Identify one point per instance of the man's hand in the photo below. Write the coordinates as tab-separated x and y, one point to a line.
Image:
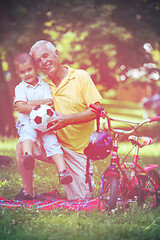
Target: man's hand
57	123
64	120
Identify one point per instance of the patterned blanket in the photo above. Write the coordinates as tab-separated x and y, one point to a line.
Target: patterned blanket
47	201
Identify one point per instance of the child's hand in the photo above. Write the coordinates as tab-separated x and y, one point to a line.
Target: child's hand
50	103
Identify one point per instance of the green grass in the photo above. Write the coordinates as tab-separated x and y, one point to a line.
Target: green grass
30	223
25	224
59	224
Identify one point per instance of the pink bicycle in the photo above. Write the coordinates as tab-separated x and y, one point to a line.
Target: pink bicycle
123	182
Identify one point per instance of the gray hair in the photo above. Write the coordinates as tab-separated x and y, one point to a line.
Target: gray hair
48	44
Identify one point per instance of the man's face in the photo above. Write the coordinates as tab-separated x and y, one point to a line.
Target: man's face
47	60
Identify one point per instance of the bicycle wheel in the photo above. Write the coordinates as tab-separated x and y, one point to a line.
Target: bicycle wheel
147	192
108	200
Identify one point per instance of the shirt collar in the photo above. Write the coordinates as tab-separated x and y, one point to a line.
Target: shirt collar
29	85
70	76
71	73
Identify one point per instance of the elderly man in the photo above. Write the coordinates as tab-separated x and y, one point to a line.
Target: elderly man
73	91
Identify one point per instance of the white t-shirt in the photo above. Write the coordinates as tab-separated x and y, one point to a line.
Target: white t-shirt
26	92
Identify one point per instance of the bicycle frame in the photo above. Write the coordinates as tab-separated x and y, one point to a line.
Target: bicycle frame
129	185
130	190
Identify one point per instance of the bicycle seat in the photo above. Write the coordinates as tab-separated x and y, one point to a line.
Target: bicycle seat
140	141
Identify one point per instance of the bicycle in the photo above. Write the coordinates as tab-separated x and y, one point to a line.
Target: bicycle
123	183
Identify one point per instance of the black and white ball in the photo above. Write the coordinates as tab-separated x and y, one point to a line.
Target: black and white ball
40	117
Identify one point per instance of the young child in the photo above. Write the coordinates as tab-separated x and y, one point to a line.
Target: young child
30	92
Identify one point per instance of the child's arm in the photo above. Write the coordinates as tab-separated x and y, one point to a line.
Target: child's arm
23	107
26	107
20	100
48	98
47	101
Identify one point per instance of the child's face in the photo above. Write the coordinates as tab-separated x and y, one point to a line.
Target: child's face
27	73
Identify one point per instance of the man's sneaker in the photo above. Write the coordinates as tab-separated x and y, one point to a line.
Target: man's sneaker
28	161
65	177
22	195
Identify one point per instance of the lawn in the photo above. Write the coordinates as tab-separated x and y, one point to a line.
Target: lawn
24	223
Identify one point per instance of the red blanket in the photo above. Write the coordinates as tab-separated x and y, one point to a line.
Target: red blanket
47	201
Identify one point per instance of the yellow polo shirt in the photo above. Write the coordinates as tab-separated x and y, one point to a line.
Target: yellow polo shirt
74	94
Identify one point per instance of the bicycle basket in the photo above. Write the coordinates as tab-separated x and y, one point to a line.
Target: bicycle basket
100	145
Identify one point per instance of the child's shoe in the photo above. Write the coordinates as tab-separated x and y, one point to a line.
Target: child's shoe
28	161
65	177
22	195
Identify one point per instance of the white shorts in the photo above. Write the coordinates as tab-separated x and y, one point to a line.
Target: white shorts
26	131
50	142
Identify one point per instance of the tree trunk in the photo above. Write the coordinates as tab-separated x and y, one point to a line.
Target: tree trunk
7	121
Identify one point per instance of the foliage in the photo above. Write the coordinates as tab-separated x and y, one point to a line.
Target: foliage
95	35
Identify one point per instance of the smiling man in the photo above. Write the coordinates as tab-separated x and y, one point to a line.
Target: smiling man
73	91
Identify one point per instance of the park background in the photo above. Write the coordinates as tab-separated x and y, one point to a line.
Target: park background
118	43
106	38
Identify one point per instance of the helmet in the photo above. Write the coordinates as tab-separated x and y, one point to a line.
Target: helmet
100	145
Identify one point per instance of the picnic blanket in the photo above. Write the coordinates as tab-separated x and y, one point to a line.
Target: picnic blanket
47	201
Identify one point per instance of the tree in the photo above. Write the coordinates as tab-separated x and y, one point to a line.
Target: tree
7	126
96	35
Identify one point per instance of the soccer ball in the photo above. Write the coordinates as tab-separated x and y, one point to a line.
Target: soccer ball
39	117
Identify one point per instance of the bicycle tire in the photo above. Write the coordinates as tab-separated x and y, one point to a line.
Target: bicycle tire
148	199
108	200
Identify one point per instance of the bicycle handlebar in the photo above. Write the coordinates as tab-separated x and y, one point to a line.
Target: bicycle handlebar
154	119
101	113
